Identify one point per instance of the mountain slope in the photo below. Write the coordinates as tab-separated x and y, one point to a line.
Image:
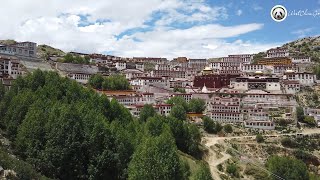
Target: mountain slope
44	51
7	42
309	46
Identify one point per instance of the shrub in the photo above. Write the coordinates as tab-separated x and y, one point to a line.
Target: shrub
259	138
228	128
232	169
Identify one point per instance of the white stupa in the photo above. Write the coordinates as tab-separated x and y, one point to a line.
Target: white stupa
204	89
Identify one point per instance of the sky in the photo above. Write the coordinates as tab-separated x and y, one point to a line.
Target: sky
158	28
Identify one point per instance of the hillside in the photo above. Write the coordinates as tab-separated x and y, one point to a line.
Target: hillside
44	51
309	46
8	42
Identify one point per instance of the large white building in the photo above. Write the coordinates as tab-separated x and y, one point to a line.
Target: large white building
304	78
241	58
26	49
256	82
11	67
277	52
225	109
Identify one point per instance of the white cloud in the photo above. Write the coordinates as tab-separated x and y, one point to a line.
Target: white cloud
302	32
61	23
239	12
196	42
256	7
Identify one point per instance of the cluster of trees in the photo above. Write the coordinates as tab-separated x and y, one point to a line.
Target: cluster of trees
181	90
303	118
69	132
112	82
215	127
210	126
187	136
287	168
182	107
69	58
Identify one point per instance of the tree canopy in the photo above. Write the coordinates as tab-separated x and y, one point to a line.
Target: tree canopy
287	168
69	58
300	114
210	126
67	131
112	82
146	112
178	112
197	105
156	158
228	128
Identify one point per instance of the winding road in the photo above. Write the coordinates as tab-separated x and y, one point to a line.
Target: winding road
210	140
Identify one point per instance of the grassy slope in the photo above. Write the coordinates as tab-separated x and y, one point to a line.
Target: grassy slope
24	170
194	164
309	46
7	42
44	51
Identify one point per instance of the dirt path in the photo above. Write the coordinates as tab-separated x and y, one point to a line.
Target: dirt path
212	159
210	140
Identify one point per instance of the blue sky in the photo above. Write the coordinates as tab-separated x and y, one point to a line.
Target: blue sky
166	28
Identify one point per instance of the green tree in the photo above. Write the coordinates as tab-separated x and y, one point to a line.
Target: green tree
203	173
178	100
287	168
193	140
181	90
310	120
146	112
208	125
68	58
17	110
218	127
197	105
2	91
259	138
156	158
300	114
288	142
155	126
178	112
232	169
30	139
228	128
96	81
65	151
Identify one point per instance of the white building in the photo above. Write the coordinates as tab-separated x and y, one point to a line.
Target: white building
11	67
241	58
277	52
291	87
225	109
252	68
26	49
132	73
304	78
79	72
121	65
265	125
257	82
140	66
301	60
